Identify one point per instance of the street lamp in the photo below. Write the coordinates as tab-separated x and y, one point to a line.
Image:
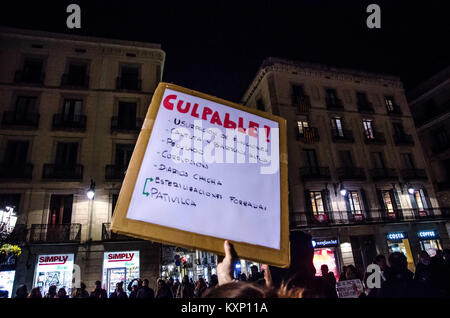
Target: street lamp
91	192
343	191
411	190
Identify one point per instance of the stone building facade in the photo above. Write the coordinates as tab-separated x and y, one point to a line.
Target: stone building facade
71	110
359	181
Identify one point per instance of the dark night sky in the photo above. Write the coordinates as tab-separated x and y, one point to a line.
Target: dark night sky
217	46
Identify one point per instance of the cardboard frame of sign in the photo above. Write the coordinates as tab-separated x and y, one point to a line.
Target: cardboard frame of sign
173	236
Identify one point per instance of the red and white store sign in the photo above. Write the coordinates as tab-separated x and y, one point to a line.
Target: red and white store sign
121	259
53	260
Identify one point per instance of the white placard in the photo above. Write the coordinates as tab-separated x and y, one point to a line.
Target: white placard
238	199
349	288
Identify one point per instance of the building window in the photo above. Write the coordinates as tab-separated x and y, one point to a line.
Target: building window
408	160
368	129
441	137
16	153
72	109
346	159
25	104
354	202
302	126
389	102
32	70
388	201
317	202
115	197
60	209
420	199
123	154
129	78
336	125
297	93
127	115
310	159
77	74
66	154
377	160
398	129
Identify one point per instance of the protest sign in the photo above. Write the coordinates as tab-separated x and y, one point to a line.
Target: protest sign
204	170
349	288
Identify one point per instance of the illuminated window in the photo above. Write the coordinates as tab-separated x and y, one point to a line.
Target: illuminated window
354	202
419	201
302	125
317	202
336	124
389	102
388	201
368	129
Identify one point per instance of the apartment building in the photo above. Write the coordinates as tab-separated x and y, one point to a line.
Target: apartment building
359	181
430	107
71	109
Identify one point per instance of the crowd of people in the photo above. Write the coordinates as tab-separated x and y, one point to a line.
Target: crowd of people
430	279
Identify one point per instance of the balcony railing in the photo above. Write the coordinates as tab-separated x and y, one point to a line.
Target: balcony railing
57	233
374	138
365	107
334	104
303	103
351	173
29	77
336	218
308	173
342	135
403	139
62	172
309	135
21	171
68	80
12	119
133	84
383	174
126	126
396	110
107	235
64	122
115	172
414	174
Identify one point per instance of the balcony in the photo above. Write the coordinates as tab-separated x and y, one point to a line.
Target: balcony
303	103
71	81
57	233
132	84
130	126
62	172
414	174
376	138
334	104
403	139
29	77
314	173
365	107
115	172
64	122
351	173
383	174
395	111
20	171
309	135
107	235
339	218
342	135
15	120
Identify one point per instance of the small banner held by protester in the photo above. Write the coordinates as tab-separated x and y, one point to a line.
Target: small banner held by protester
204	170
349	288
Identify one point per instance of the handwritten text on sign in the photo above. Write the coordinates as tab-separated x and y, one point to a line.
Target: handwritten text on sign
212	170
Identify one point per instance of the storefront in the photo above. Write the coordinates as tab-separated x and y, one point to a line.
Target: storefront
56	269
398	242
7	275
429	241
325	253
119	267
